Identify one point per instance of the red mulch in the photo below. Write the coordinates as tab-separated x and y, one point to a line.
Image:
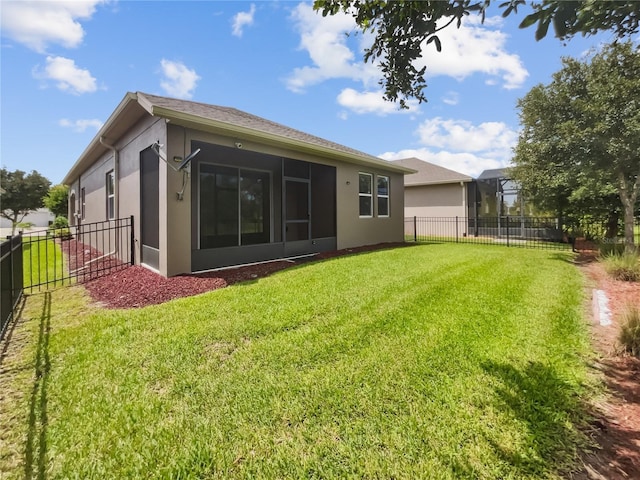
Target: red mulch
617	426
138	286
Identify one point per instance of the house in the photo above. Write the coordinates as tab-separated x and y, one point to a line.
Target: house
212	186
434	191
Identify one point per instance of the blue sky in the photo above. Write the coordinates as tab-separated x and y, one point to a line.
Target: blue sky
66	65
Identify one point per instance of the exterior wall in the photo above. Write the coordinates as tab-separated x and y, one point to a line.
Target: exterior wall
127	200
354	231
443	200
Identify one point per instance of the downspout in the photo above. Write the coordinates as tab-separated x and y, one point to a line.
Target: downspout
116	194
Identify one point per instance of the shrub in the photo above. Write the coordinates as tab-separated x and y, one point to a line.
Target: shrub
624	266
60	228
629	336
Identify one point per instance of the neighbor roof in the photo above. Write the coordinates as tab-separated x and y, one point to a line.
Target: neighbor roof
493	174
223	120
429	173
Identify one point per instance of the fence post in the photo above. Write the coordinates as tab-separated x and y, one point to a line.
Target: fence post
133	240
456	229
415	229
507	230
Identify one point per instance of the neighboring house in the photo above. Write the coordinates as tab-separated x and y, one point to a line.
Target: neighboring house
39	218
434	191
256	190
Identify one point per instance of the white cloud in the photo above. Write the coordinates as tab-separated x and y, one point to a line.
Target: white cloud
461	145
334	53
466	163
372	102
80	126
69	77
243	19
179	81
325	39
451	98
475	48
37	24
454	134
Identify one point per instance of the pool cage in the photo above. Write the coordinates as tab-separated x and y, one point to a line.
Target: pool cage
498	208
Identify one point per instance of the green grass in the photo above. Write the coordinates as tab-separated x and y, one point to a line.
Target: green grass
431	361
43	261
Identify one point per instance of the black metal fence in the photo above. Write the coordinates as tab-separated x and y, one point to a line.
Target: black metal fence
10	279
62	256
526	232
510	231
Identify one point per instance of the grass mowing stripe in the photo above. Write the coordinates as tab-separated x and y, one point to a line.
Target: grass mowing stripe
434	361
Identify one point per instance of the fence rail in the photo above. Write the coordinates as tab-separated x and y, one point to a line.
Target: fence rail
526	232
77	254
10	279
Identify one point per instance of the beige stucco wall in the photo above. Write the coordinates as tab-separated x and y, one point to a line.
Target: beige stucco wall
445	200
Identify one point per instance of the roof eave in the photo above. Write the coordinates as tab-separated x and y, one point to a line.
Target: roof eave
95	147
272	139
443	182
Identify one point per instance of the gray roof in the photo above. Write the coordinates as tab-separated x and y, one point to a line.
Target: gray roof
222	120
429	173
237	118
494	173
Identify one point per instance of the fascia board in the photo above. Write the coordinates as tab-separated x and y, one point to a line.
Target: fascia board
271	139
95	145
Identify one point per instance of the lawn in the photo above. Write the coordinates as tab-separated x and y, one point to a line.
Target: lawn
431	361
43	261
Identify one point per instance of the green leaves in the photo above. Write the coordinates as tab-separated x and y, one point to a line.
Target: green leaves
402	28
580	137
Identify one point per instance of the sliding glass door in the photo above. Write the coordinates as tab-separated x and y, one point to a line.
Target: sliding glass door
235	207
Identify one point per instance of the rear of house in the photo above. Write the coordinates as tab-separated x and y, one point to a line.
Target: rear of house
253	190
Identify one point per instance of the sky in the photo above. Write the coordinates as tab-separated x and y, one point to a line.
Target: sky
66	65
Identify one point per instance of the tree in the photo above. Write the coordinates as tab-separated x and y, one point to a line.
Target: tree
22	194
402	27
579	148
57	200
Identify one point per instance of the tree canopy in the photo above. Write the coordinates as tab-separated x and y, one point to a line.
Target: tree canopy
22	194
56	200
579	148
402	27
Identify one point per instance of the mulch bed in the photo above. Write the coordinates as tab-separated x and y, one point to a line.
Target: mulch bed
135	287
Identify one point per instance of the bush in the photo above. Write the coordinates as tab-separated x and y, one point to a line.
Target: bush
625	266
629	336
60	228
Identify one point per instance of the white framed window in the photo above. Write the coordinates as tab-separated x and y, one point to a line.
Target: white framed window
111	195
365	194
383	196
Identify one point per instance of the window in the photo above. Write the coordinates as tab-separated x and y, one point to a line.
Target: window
365	190
111	195
383	196
82	204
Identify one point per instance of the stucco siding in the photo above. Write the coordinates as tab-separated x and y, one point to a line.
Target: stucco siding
446	200
354	231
